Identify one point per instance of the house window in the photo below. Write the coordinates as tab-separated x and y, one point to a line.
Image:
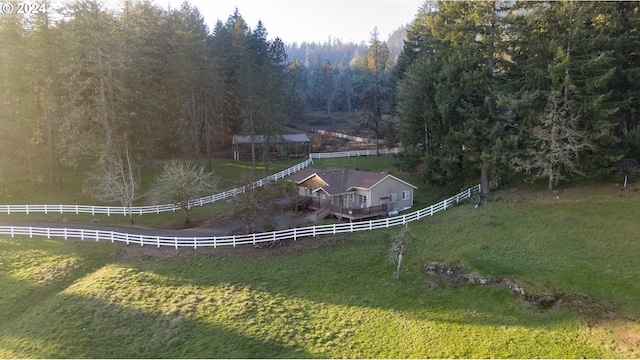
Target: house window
362	199
352	198
393	197
405	195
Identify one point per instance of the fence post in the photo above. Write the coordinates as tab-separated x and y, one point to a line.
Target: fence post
126	238
112	236
176	240
387	222
158	240
294	234
11	231
233	240
65	232
45	208
81	234
48	233
76	209
27	206
31	233
195	242
334	229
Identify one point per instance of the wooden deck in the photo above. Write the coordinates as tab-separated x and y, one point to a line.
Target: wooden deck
356	214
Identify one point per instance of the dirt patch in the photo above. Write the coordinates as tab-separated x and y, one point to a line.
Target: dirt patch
454	275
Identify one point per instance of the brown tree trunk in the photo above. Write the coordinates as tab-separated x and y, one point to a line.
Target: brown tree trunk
485	180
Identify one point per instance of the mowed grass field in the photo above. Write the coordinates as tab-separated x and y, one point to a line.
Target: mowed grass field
337	297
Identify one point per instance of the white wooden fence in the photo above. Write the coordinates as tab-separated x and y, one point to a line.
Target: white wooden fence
216	241
384	151
151	209
156	209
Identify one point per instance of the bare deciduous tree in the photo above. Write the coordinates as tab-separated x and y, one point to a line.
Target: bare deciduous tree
114	181
181	182
256	207
399	243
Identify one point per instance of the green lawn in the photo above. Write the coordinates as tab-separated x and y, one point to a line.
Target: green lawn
337	297
229	174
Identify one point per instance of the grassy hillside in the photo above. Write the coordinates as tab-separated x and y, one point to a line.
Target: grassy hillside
337	296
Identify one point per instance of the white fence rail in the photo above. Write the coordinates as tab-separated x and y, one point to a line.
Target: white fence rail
235	240
151	209
156	209
384	151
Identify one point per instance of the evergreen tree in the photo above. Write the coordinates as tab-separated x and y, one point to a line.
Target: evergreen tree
375	95
562	50
462	42
18	131
187	55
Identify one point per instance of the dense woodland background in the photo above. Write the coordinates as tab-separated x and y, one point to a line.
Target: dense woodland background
485	89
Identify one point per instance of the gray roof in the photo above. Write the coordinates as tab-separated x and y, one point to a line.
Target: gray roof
340	181
240	139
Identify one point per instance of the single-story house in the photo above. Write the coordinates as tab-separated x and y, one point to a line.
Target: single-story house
354	194
280	146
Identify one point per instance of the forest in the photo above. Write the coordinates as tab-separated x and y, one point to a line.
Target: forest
485	89
118	87
494	88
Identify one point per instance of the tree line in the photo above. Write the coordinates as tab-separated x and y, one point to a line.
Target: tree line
115	87
547	89
480	88
86	83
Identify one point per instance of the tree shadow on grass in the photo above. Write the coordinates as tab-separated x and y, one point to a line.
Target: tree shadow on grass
348	273
341	272
46	320
75	326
